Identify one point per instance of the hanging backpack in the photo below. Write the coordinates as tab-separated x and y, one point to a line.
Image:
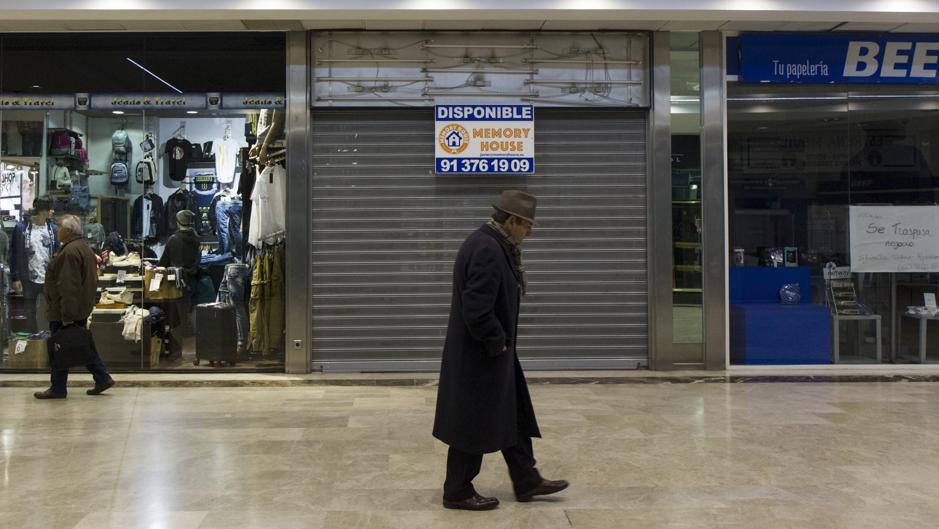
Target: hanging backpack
146	170
120	146
79	198
119	173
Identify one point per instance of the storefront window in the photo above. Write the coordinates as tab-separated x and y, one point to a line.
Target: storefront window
127	131
686	196
803	161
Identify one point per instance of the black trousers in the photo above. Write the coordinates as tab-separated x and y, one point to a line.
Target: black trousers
462	468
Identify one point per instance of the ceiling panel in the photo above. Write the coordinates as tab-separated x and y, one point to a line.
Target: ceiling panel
32	25
393	25
94	25
490	25
868	26
598	25
809	26
273	25
750	25
333	24
445	25
918	28
693	25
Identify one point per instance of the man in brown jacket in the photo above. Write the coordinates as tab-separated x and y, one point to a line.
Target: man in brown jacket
71	291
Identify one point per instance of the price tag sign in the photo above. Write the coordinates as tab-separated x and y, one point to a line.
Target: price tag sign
484	139
155	282
121	276
930	300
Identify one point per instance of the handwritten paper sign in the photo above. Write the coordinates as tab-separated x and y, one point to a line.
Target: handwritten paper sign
894	238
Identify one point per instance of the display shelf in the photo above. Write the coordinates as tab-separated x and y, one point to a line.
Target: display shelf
23	161
686	202
688	290
687	268
69	157
687	245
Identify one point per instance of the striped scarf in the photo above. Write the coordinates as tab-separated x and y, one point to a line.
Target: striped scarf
514	251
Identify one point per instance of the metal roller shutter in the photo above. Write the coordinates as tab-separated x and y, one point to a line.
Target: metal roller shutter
386	230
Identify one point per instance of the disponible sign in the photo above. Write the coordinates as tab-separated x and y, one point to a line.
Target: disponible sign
484	139
834	58
894	238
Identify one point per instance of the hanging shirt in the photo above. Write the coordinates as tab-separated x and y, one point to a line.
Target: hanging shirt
268	209
226	154
39	242
149	226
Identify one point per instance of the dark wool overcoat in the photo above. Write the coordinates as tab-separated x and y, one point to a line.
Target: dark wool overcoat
482	399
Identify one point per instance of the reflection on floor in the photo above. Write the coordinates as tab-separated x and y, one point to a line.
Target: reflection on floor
738	456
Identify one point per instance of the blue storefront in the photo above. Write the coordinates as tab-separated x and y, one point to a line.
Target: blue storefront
832	186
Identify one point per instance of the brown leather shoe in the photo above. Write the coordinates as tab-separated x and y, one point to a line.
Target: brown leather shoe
100	388
543	489
48	394
473	503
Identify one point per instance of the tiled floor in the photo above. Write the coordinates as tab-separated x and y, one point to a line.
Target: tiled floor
800	456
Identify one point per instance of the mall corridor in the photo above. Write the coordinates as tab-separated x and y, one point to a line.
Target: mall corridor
758	455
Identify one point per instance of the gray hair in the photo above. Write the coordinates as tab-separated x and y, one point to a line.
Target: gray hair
72	224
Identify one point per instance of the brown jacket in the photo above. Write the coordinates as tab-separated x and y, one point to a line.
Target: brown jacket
72	282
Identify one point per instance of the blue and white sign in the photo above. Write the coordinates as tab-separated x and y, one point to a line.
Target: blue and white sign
834	58
484	139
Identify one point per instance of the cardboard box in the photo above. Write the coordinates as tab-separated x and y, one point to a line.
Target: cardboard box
27	354
167	290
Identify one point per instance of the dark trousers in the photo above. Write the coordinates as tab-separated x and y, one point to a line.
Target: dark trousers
60	376
462	468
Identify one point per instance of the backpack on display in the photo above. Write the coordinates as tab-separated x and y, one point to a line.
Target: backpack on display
146	170
120	157
120	145
61	143
79	198
80	151
119	173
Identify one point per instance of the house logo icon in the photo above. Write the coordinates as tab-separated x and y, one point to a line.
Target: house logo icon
453	139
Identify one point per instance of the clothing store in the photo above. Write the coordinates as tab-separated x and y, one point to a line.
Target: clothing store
176	164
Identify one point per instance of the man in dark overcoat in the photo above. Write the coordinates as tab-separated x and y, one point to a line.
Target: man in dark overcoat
483	403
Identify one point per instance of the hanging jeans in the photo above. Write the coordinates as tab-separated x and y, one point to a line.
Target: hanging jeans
232	292
228	227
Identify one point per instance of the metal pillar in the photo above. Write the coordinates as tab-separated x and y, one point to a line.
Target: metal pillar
714	193
660	207
299	230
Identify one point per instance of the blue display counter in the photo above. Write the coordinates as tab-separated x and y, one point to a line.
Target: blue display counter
763	331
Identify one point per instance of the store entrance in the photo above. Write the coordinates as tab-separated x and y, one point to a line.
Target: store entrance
184	211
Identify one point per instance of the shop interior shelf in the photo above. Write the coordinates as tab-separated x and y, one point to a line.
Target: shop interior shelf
25	161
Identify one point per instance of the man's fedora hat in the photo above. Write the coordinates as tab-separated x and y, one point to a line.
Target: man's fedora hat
518	203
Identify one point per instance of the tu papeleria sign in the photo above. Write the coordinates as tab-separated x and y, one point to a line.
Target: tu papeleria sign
489	139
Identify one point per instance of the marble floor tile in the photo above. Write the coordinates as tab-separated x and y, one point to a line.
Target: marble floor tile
676	456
